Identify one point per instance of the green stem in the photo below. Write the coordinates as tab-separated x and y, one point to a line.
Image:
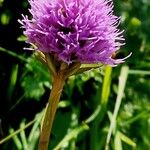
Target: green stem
58	83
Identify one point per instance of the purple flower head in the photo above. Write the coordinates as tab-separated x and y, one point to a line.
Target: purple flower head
82	31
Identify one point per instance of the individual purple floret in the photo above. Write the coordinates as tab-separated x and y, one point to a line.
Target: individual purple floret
82	31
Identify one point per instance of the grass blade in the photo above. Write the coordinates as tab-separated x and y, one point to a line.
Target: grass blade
122	81
16	139
72	135
23	136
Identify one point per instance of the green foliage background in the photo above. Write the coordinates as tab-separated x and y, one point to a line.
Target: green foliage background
85	118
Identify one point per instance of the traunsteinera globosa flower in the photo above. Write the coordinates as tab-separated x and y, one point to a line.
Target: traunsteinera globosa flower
69	33
83	31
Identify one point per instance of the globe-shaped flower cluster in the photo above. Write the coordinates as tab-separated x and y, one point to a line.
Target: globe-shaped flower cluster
84	31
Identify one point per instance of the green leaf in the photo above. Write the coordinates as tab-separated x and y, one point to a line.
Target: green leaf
5	18
127	140
22	38
13	80
35	78
117	142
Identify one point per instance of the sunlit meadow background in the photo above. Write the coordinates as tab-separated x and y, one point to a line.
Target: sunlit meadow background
88	101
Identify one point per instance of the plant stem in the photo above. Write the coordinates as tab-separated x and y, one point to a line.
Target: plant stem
58	83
